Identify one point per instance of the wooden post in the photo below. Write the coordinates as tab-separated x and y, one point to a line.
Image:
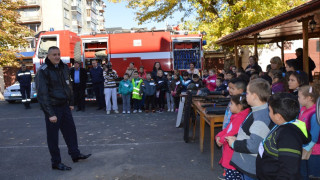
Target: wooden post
256	46
282	50
236	55
305	46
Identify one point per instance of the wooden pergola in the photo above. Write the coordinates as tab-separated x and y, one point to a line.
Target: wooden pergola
294	24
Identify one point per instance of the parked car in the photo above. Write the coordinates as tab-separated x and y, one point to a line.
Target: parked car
12	93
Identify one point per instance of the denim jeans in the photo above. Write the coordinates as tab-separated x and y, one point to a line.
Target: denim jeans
170	102
310	167
126	102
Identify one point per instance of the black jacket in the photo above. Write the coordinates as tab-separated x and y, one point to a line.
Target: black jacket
24	77
53	86
161	83
83	77
281	156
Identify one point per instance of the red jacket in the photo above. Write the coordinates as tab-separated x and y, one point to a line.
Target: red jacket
210	82
231	130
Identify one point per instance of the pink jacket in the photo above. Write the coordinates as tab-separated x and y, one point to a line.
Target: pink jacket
210	82
232	129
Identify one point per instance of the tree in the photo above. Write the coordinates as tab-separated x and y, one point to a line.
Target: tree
11	32
217	17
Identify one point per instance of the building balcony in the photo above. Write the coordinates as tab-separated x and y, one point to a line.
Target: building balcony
77	23
29	19
75	7
31	3
93	20
100	9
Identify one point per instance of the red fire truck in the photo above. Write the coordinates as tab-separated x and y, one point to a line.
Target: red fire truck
173	49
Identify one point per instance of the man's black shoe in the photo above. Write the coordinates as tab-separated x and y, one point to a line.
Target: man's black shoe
80	156
61	167
100	108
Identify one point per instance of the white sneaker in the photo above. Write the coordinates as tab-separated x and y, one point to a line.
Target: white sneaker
172	110
116	111
134	111
128	112
108	112
123	112
140	111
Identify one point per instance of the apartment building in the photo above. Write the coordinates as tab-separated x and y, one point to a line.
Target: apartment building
79	16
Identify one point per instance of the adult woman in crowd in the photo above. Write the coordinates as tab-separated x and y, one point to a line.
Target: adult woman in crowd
130	70
156	67
253	66
192	69
276	64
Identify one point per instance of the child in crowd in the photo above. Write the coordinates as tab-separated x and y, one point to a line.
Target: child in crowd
291	65
161	85
185	81
236	87
253	130
137	92
296	80
280	152
210	82
310	165
220	87
125	90
229	75
205	74
175	89
240	110
110	88
195	85
278	82
170	102
142	73
176	72
149	89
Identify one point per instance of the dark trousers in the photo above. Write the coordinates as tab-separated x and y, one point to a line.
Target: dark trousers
25	93
176	102
150	101
136	104
68	129
98	89
79	96
161	100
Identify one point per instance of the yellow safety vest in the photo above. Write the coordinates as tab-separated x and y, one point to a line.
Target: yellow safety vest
136	90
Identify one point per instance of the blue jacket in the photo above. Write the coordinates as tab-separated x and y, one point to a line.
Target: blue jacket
184	84
125	87
97	75
24	77
149	87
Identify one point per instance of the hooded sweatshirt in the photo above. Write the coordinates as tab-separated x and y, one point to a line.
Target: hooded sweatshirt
280	152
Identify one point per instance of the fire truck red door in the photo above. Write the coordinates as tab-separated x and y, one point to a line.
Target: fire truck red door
121	64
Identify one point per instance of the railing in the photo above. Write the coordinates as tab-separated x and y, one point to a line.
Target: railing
32	2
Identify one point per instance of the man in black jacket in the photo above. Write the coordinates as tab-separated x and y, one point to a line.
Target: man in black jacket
299	60
24	78
78	79
56	101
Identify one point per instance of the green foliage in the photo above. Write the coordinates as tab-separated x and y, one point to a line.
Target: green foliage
11	33
217	17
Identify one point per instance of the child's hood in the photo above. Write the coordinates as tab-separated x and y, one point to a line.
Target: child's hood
301	128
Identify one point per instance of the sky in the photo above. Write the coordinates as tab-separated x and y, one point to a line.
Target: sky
117	15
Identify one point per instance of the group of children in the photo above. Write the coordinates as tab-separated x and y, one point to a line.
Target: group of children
267	135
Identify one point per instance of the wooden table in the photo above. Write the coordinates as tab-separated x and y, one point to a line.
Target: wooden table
212	120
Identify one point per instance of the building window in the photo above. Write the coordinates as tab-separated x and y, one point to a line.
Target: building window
66	1
66	27
66	14
33	27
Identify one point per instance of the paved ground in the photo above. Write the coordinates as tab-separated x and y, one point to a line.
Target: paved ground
124	147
